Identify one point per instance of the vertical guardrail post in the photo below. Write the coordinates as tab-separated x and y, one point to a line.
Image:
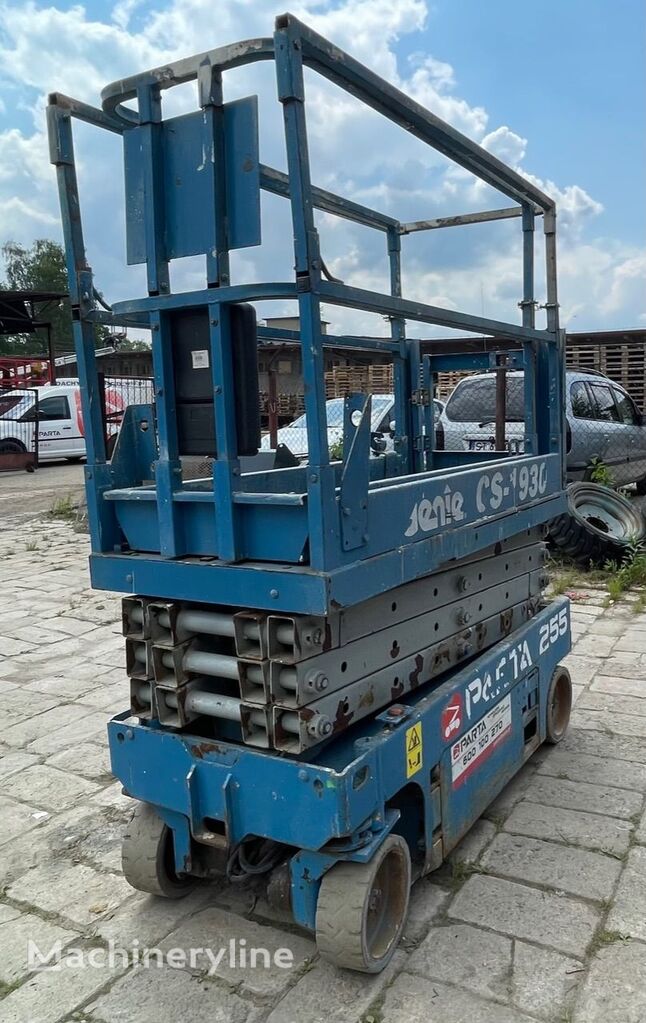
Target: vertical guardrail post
323	527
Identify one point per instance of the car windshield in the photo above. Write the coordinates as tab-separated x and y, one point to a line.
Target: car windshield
334	412
474	400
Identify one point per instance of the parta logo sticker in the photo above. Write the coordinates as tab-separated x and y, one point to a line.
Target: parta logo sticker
451	722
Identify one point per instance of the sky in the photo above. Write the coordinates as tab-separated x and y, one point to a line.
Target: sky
556	89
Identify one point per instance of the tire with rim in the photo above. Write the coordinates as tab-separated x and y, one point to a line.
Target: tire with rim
599	525
148	859
559	705
362	908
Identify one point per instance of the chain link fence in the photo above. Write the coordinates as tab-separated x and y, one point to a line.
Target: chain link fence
19	413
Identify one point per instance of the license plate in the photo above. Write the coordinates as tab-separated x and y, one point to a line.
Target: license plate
476	444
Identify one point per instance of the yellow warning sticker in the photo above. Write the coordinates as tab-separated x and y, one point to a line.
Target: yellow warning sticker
413	750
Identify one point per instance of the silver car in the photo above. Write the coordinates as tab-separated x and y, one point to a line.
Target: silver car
381	424
603	423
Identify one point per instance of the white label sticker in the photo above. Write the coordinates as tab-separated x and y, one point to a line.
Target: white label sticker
480	741
200	359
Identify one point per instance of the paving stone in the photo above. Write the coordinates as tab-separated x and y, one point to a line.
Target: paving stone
14	943
611	703
75	891
8	913
23	704
546	918
612	627
42	724
53	836
615	988
578	795
326	994
624	665
87	759
628	911
633	644
17	818
148	919
544	983
621	774
607	834
460	954
48	787
582	669
65	687
601	646
427	902
413	999
151	995
85	727
611	722
473	843
14	762
580	740
617	685
213	928
51	995
511	794
565	868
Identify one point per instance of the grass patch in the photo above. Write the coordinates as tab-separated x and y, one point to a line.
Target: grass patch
605	938
63	508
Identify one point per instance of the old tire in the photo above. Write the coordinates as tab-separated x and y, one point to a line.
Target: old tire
559	705
147	856
599	525
362	908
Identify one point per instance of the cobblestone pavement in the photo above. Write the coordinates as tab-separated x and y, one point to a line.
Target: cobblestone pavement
540	916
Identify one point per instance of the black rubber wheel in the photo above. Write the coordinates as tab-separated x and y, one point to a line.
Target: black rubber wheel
599	525
559	705
362	908
147	856
12	447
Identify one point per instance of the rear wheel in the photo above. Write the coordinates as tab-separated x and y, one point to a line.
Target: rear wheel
148	859
12	447
362	908
599	525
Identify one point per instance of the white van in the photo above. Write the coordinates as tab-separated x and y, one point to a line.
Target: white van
60	420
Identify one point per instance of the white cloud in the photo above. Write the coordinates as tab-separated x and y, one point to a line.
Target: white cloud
354	151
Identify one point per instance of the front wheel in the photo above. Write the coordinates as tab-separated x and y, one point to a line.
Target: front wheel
362	908
148	859
559	705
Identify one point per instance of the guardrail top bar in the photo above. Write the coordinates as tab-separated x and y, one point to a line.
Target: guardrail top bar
339	67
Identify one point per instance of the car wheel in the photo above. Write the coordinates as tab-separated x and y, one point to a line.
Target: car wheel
599	525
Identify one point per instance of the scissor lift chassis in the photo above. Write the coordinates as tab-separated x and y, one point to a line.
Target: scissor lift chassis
424	769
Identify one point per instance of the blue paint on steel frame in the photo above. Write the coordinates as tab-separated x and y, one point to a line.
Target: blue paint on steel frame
306	531
341	791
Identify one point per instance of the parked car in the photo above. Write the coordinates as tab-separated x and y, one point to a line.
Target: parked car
294	435
602	423
57	407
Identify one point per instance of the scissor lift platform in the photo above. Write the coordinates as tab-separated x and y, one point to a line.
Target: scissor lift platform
343	806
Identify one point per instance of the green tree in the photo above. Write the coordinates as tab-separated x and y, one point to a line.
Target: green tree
41	268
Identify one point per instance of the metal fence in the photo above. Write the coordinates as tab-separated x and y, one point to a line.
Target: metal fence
19	413
116	394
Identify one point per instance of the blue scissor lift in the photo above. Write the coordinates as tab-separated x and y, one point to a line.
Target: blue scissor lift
334	666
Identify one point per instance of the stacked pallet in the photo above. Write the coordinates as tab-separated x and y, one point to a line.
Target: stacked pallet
623	363
373	379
